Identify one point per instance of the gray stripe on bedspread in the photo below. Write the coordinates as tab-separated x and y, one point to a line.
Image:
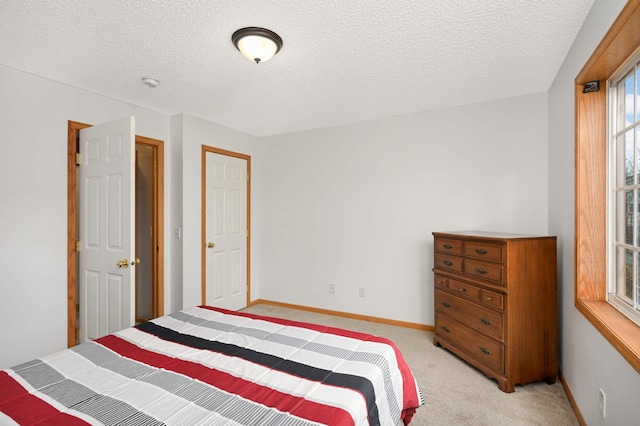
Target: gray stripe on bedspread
39	374
320	348
76	396
111	361
208	397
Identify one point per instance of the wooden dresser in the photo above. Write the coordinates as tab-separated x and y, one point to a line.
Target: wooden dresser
496	303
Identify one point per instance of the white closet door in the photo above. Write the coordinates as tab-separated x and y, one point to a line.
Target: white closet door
226	231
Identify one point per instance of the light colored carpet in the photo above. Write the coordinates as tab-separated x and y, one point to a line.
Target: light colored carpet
455	393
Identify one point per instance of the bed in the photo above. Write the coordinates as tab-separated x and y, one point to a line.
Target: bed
209	366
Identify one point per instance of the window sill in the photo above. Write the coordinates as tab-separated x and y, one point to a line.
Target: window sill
620	331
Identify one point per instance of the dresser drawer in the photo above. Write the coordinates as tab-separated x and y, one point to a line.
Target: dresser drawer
464	289
491	252
441	282
484	270
448	246
475	316
446	262
464	338
491	298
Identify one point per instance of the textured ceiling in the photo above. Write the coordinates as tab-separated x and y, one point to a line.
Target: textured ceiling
342	61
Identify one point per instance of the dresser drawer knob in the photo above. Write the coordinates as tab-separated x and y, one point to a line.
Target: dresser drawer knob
485	350
481	251
448	263
462	289
445	328
481	271
446	304
489	299
485	321
447	246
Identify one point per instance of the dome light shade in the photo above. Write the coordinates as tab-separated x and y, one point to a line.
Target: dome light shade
257	44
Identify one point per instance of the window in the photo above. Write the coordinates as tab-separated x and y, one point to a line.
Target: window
622	39
624	178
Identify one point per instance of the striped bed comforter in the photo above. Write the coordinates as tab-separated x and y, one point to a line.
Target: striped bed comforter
208	366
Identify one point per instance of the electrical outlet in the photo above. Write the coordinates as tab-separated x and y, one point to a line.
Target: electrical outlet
603	402
361	291
332	288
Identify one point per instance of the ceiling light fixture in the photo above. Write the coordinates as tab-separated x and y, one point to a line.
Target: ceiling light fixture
257	44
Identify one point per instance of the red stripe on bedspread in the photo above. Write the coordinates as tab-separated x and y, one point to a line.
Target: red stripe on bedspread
410	394
27	409
269	397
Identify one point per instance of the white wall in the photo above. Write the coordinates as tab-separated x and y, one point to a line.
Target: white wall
195	133
33	204
588	361
175	220
355	205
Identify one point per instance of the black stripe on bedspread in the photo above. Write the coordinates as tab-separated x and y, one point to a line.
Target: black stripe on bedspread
358	383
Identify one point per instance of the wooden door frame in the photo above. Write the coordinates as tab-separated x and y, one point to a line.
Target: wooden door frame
247	158
73	131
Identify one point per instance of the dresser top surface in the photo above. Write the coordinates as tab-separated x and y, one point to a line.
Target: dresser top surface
488	234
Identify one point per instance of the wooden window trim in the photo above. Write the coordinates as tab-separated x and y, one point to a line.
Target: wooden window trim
618	44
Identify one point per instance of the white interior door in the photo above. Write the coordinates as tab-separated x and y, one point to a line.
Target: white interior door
106	231
225	231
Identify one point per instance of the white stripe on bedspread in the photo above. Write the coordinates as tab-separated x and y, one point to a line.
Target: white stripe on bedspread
6	420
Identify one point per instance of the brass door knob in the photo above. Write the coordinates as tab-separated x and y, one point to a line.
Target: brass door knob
124	263
135	262
210	245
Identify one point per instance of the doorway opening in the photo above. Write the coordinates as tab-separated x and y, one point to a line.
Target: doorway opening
150	222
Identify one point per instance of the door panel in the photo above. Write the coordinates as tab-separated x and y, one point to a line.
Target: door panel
236	278
225	271
215	277
106	229
91	301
